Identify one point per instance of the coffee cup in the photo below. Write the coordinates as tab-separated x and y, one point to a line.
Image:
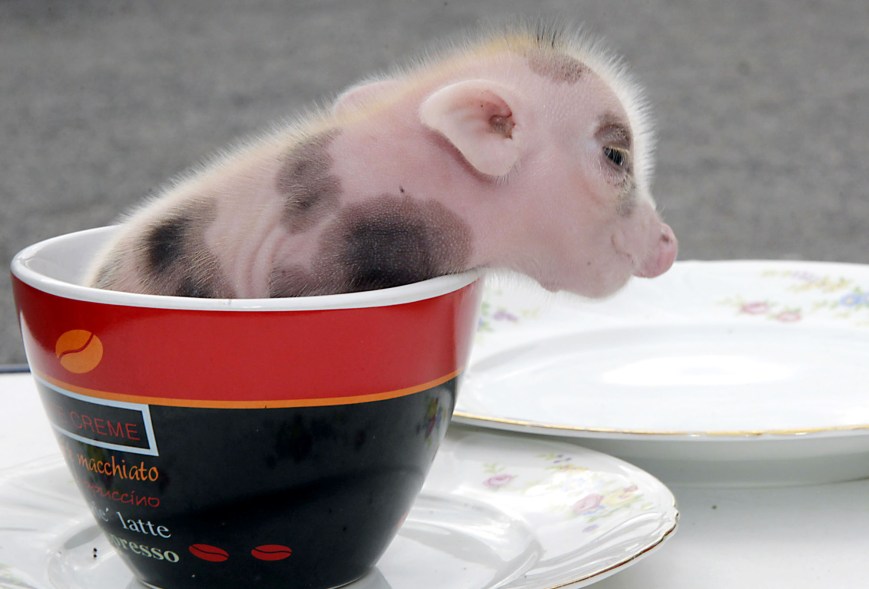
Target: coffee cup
260	443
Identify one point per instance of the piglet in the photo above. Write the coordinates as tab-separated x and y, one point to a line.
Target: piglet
523	149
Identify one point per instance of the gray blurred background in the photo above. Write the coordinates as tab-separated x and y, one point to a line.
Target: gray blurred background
762	105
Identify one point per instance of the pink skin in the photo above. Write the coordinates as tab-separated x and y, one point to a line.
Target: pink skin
515	154
553	216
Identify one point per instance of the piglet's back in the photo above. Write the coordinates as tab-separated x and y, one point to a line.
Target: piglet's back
521	150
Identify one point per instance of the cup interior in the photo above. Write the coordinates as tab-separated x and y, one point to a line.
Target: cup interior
59	265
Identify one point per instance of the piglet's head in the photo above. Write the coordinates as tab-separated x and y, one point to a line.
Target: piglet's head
569	152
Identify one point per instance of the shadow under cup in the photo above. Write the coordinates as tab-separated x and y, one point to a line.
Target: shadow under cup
248	442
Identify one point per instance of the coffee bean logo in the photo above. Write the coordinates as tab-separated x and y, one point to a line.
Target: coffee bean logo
265	552
79	350
271	552
208	552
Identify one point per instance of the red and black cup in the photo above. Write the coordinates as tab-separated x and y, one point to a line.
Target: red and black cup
225	443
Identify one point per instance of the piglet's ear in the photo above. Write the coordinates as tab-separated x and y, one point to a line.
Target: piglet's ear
361	94
477	117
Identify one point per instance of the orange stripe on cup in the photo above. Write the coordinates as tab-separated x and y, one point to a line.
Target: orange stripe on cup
253	403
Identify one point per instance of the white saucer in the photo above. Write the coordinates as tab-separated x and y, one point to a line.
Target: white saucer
716	372
505	511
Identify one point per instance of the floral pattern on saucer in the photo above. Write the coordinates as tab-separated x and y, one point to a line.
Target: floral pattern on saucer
581	492
49	541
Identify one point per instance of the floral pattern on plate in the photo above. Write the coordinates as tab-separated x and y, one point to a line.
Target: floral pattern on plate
787	339
494	314
803	293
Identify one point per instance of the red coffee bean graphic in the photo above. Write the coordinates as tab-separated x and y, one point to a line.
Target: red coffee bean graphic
208	552
271	552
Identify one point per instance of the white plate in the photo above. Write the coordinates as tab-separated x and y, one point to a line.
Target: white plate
678	373
502	511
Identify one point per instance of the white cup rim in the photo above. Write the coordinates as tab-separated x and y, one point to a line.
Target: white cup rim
29	265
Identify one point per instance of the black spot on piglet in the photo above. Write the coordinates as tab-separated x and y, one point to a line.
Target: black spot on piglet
165	243
393	240
310	189
387	252
176	259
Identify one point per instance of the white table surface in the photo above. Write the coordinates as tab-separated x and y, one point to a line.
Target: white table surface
786	537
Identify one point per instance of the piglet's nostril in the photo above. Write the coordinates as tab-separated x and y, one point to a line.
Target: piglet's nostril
667	235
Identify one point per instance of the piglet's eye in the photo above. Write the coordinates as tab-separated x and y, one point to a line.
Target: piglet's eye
617	156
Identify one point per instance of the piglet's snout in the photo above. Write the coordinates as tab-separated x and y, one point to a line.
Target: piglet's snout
661	255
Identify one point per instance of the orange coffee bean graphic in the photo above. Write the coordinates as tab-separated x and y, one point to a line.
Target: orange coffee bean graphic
79	350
